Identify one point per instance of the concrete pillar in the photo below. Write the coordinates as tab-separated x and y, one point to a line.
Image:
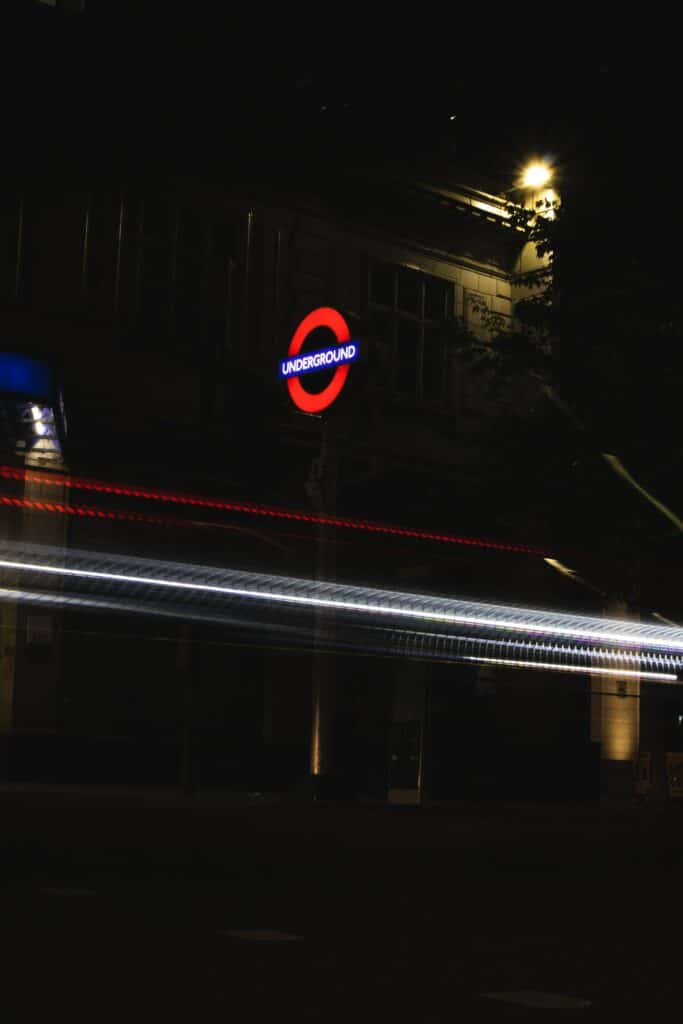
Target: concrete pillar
30	652
615	724
8	642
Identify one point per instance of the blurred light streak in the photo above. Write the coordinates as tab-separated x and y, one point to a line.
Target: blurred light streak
513	663
667	622
250	508
93	512
617	465
386	641
365	640
205	582
572	575
583	657
85	511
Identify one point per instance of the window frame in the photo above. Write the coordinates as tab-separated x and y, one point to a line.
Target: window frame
424	323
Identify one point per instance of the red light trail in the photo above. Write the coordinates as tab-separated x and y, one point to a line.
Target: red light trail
86	511
198	501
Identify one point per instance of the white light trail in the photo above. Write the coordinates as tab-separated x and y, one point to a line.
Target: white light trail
628	673
561	650
389	639
318	595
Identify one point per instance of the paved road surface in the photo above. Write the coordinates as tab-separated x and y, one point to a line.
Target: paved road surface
113	909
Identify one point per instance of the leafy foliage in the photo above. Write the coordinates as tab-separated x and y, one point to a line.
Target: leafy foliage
525	346
602	340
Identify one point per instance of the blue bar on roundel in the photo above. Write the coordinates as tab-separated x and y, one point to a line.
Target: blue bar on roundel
322	359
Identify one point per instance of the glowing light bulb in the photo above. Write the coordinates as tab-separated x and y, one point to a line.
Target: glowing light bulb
536	175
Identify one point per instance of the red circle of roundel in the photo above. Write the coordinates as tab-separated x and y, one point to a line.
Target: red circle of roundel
322	317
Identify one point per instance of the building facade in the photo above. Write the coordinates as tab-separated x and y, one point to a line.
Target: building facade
166	307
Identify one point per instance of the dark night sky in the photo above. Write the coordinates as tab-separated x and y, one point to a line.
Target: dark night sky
199	84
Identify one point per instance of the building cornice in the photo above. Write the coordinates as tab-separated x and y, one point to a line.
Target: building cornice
374	234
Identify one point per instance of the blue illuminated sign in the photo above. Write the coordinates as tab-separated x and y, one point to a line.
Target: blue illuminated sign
321	359
20	375
33	423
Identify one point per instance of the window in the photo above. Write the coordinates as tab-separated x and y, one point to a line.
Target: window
408	309
174	270
11	229
48	240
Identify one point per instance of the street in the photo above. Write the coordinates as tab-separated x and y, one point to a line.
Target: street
323	912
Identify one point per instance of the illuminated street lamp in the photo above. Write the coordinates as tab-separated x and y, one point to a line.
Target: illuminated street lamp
534	190
536	175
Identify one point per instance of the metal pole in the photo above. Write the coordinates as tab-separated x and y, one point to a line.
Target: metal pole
19	250
318	484
184	666
84	247
246	294
423	742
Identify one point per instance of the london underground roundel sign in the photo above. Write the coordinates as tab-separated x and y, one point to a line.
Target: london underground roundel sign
339	355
